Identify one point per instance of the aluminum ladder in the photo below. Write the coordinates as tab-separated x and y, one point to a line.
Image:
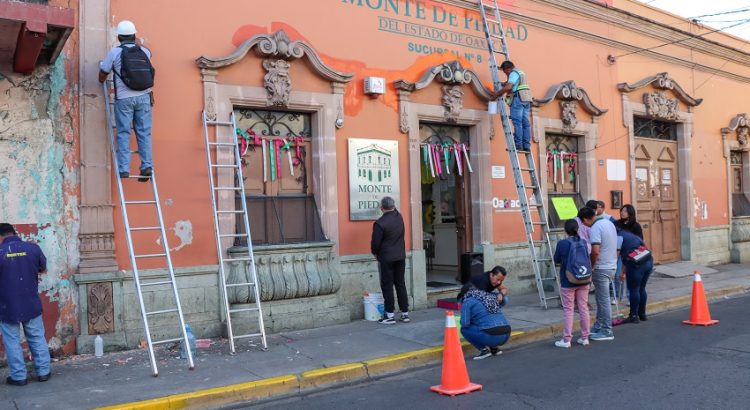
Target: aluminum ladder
140	284
238	187
547	280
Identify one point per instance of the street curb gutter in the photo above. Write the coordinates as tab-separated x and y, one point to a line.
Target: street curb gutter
292	384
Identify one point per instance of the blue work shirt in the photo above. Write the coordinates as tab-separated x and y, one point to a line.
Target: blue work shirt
20	264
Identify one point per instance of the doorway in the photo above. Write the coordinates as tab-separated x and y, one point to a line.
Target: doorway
446	202
657	187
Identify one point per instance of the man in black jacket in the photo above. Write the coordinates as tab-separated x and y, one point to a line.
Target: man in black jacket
488	282
389	249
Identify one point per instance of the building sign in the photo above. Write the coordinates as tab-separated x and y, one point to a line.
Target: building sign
373	174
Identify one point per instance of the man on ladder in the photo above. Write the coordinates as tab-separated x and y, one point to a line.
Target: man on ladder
520	104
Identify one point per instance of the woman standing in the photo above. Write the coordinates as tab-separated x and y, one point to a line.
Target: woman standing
628	222
637	265
572	294
482	321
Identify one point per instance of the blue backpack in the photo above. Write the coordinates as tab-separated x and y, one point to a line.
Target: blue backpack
578	265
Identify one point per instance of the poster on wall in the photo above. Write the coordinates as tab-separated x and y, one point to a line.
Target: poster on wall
373	174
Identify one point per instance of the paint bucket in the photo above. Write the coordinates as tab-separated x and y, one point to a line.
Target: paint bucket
373	306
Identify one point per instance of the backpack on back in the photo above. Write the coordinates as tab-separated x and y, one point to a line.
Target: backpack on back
136	70
578	265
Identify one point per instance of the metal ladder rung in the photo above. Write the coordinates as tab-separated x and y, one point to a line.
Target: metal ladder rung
159	312
146	228
223	166
150	255
243	310
135	176
248	335
531	186
222	144
138	202
232	235
238	259
526	169
538	223
220	123
234	285
166	282
161	342
543	260
226	188
229	212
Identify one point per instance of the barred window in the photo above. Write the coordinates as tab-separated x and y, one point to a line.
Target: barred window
650	128
563	171
740	201
277	176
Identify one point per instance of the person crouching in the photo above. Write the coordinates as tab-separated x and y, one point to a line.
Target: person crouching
483	323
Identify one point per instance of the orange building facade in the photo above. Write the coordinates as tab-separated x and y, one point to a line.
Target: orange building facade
632	105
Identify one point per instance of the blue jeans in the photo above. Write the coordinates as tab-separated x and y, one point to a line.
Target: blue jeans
135	110
519	115
34	331
602	279
636	280
480	339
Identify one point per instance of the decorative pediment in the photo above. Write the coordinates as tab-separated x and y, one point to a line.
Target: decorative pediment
569	91
662	81
450	73
741	125
279	51
641	152
658	105
666	155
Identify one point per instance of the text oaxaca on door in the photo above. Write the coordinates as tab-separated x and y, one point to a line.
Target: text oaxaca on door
373	174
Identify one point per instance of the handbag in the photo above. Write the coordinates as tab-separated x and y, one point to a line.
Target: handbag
640	254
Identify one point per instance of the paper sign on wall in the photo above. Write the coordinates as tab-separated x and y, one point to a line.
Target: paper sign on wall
565	206
616	169
498	171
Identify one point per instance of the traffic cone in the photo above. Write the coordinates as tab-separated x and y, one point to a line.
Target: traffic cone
699	314
455	378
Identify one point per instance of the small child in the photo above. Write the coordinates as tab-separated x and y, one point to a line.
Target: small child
569	292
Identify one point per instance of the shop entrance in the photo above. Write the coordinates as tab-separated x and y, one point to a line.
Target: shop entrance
446	202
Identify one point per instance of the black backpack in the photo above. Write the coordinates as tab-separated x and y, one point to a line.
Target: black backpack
136	70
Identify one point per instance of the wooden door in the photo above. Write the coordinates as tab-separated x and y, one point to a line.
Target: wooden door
463	214
657	197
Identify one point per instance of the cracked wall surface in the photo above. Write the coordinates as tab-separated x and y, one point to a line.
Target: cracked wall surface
39	178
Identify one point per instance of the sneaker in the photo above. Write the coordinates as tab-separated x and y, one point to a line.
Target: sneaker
387	321
562	343
124	174
601	336
145	174
583	341
483	354
404	318
45	377
632	319
495	351
14	382
527	148
613	301
643	317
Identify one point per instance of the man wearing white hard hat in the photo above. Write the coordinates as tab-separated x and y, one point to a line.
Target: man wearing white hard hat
133	79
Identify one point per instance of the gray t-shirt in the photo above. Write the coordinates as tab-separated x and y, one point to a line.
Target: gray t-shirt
604	234
113	61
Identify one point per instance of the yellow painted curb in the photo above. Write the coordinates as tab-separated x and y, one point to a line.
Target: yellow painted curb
254	390
401	361
332	375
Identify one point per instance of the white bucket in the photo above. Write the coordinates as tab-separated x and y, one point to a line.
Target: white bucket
374	306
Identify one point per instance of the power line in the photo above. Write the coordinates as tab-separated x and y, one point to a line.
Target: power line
740	10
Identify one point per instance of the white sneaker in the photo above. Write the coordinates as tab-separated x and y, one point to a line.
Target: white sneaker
562	343
583	342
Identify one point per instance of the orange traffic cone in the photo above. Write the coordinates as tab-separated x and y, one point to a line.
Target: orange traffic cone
455	378
699	314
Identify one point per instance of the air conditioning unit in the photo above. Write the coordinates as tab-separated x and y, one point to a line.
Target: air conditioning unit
374	85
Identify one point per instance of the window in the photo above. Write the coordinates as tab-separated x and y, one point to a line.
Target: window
279	195
740	202
650	128
563	176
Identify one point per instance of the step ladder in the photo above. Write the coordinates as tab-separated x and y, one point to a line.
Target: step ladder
141	284
547	280
230	147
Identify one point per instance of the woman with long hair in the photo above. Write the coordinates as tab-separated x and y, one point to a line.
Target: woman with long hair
628	221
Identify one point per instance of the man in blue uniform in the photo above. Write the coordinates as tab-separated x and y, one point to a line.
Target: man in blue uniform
20	265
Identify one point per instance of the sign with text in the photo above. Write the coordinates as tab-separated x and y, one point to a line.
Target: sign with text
373	174
565	206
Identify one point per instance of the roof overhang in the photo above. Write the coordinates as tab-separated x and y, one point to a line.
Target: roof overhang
33	34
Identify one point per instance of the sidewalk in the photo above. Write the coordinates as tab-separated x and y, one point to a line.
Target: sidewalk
303	360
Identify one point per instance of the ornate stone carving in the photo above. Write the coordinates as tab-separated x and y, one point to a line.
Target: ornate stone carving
100	308
451	73
305	270
277	83
658	105
569	91
210	106
741	125
404	121
662	81
568	115
453	101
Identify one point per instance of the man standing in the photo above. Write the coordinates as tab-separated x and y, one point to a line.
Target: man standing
599	209
389	249
603	236
520	105
133	79
20	265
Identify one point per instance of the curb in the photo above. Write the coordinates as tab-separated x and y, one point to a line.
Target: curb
305	382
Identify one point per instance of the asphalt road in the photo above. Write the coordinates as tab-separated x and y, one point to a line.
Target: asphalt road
659	364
